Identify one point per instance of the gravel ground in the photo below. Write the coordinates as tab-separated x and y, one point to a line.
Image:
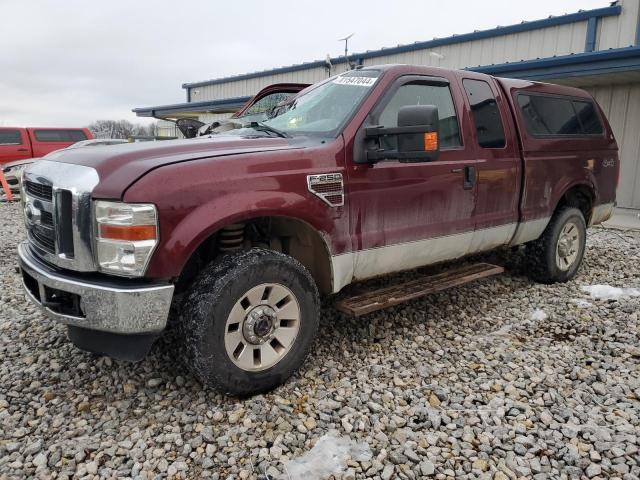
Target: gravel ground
500	379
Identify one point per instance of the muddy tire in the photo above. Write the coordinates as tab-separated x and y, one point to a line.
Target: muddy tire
557	255
249	320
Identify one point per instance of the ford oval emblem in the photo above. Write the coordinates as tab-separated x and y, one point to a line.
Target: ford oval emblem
32	214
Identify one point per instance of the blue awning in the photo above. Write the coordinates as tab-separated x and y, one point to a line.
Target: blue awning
618	60
226	105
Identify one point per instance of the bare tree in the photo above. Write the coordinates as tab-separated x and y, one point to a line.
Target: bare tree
120	129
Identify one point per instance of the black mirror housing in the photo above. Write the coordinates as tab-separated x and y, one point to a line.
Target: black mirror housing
416	135
188	127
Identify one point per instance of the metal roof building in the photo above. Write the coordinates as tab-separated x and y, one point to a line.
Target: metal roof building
598	50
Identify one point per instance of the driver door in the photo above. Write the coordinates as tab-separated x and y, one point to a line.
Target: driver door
404	215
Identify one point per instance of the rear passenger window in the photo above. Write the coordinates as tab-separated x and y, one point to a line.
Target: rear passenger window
424	94
588	117
558	116
486	115
10	137
60	135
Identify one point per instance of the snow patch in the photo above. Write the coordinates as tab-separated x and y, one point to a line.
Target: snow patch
607	292
329	456
582	303
503	331
538	315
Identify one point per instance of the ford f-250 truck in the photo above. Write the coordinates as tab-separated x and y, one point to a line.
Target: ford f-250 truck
374	171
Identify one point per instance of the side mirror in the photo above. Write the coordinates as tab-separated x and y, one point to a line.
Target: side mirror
416	136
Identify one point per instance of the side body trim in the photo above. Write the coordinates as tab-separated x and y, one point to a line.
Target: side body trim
363	264
601	213
530	230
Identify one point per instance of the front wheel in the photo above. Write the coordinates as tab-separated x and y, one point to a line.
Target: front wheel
249	321
557	255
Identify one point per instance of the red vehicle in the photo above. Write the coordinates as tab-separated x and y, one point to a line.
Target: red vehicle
23	143
373	171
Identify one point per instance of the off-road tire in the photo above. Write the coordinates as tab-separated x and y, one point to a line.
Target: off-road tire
208	303
541	253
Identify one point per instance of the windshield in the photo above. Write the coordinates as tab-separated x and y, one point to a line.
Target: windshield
321	110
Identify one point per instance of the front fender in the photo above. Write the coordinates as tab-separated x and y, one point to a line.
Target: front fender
195	203
183	240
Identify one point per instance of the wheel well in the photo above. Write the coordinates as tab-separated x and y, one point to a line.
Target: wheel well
580	197
284	234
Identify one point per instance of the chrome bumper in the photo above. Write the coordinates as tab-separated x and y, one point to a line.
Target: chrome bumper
107	305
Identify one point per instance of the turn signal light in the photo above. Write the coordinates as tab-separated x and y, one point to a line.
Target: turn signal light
127	232
430	141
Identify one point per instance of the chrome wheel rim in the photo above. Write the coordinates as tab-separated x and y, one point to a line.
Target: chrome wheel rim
262	327
568	246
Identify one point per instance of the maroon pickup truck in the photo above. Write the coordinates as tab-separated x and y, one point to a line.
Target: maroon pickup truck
374	171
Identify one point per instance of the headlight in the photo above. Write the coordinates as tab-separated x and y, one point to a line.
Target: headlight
126	235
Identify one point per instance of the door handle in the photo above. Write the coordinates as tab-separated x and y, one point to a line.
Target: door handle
456	170
469	177
23	149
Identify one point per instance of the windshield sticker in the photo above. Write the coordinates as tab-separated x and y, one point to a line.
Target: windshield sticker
357	81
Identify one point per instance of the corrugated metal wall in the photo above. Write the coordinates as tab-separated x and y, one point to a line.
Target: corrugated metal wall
167	129
545	42
612	32
250	87
621	105
619	31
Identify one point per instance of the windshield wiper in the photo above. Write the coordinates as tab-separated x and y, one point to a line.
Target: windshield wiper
263	127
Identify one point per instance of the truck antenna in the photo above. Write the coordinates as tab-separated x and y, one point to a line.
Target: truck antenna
346	48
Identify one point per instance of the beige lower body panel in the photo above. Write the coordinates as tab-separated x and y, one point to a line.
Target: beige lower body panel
530	230
601	213
373	262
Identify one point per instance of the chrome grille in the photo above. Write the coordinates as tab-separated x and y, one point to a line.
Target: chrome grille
58	213
39	190
43	238
47	219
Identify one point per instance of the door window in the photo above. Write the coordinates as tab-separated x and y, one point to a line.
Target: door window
486	115
424	94
60	135
10	137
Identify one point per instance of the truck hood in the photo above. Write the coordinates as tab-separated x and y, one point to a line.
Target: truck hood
119	166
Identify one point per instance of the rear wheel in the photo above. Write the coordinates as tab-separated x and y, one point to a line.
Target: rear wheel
557	255
249	321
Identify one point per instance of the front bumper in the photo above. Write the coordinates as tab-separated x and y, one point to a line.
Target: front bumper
112	305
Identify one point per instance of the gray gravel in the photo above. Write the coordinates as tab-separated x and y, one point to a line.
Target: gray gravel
466	384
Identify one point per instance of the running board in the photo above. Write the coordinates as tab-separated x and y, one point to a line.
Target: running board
424	285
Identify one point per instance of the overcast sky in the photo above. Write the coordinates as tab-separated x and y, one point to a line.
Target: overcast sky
67	63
